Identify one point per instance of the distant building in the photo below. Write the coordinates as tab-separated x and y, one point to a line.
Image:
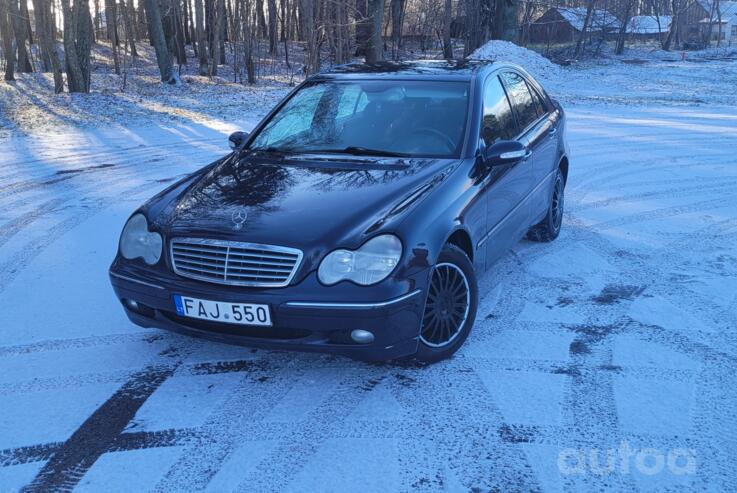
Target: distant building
648	26
564	24
701	21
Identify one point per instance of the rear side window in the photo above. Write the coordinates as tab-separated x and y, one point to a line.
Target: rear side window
542	107
522	101
497	121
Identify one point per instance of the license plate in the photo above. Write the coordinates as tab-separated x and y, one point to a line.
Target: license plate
222	311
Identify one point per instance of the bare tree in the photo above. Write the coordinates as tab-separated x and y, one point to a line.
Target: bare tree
505	20
219	12
447	43
201	37
129	27
363	26
111	21
39	11
47	44
26	17
272	27
177	31
20	28
77	44
397	17
261	18
719	21
374	50
313	47
625	19
478	18
156	28
584	28
7	35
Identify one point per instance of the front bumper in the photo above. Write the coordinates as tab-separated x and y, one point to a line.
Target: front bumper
306	317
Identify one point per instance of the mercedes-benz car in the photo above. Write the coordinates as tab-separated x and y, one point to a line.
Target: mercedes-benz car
357	215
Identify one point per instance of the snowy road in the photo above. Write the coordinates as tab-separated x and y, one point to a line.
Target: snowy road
617	342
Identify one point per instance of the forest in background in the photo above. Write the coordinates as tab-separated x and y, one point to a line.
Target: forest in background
57	36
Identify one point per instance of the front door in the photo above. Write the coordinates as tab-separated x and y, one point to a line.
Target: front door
507	185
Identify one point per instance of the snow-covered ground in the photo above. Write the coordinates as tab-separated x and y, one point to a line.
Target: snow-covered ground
616	345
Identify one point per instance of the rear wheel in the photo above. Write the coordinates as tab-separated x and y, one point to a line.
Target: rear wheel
450	306
549	228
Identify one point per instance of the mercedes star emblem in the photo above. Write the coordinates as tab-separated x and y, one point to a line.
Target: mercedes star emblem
239	216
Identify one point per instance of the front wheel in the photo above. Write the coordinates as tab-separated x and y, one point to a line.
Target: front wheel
450	306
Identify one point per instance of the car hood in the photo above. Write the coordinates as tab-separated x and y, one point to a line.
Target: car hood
300	202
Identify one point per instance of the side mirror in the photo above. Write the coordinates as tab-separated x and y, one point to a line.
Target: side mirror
505	152
236	139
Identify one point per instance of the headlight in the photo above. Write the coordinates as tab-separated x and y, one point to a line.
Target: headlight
137	241
371	263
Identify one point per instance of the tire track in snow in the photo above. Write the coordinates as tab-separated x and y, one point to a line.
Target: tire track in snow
280	465
681	192
231	425
73	459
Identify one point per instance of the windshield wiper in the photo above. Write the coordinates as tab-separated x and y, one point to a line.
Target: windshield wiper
360	151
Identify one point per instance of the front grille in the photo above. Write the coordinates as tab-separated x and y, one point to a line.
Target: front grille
234	263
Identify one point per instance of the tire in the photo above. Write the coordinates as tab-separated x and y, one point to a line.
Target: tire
444	330
549	228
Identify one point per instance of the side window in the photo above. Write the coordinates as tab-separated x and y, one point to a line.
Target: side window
542	108
497	121
521	98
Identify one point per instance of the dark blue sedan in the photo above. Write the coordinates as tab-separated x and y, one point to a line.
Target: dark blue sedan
355	218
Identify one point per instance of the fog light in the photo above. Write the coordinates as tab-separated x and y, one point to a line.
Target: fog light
132	304
362	336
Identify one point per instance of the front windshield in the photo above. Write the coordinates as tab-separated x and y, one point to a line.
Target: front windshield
370	117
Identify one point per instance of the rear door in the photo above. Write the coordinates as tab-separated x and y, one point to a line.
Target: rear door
507	185
547	156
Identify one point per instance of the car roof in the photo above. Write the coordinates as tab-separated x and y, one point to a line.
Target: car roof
462	70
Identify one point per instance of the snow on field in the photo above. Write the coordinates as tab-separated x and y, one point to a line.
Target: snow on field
602	361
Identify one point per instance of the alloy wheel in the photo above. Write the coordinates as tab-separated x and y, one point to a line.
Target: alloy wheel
447	305
557	205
